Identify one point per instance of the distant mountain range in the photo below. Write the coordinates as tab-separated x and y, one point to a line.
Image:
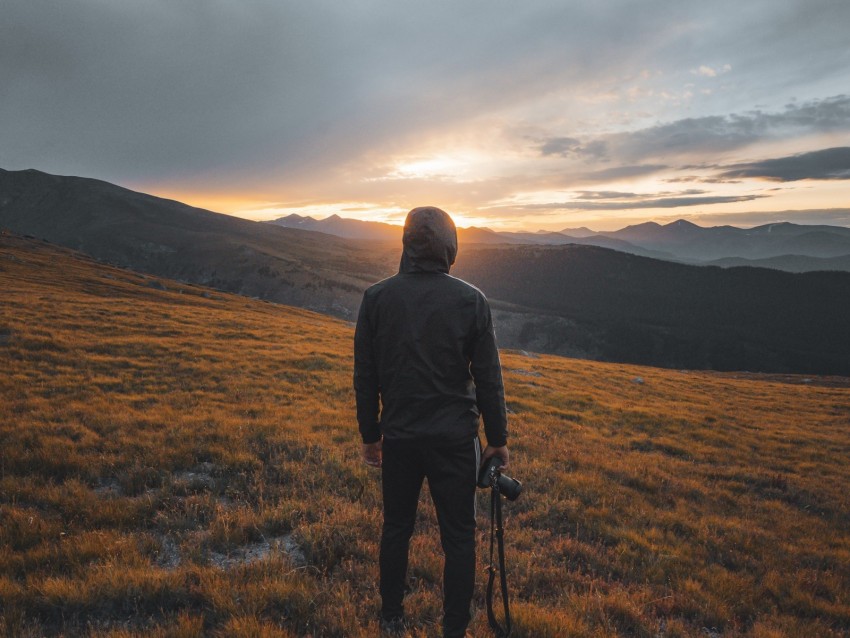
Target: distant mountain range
688	241
577	300
379	231
782	246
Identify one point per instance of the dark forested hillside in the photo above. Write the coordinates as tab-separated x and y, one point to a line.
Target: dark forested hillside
648	311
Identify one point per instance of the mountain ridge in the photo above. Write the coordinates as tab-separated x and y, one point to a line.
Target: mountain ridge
167	238
381	231
572	299
679	240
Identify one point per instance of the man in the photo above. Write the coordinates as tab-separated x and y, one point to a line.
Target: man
425	368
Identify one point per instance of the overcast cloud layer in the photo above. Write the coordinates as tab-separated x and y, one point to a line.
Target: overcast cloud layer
501	112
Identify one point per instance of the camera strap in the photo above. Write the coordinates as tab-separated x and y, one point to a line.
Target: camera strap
497	537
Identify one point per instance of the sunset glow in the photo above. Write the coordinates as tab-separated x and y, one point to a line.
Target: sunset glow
542	116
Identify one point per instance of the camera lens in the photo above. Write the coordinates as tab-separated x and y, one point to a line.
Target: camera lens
510	487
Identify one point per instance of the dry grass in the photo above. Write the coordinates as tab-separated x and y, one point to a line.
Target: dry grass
183	462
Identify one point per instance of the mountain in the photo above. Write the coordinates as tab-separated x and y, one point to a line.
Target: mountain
342	227
628	308
787	229
687	241
578	232
573	299
652	233
788	263
178	461
593	239
476	235
379	231
539	237
770	245
170	239
603	241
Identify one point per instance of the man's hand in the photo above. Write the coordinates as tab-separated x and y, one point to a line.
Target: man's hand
372	454
501	452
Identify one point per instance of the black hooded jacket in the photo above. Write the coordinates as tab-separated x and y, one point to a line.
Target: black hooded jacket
425	358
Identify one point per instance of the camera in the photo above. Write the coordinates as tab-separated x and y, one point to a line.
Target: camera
490	476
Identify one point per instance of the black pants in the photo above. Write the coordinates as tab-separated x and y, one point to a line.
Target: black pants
451	472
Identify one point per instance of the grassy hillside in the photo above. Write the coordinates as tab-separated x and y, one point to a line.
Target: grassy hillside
169	239
181	462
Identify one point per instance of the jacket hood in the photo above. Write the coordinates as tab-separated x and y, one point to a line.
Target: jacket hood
430	241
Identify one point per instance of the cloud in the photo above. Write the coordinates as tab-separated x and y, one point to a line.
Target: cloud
662	202
827	164
701	136
569	146
560	146
316	102
620	172
700	179
271	92
696	136
617	195
606	195
709	72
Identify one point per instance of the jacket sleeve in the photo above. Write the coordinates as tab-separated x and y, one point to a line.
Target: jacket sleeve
487	373
366	387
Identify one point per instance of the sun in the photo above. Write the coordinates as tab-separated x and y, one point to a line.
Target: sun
446	167
463	220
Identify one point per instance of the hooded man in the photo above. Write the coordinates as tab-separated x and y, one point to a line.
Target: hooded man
426	368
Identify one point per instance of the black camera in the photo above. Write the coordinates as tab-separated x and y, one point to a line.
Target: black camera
490	476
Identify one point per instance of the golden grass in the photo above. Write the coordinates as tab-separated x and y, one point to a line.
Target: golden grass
153	439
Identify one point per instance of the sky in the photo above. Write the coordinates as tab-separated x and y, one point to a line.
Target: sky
543	114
